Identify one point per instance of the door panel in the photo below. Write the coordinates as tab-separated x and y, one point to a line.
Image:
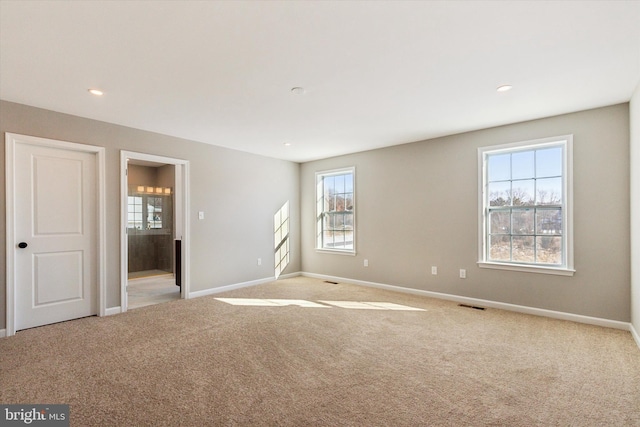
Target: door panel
57	202
57	277
56	215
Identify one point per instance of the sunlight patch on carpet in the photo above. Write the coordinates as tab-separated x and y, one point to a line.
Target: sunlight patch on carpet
358	305
271	302
362	305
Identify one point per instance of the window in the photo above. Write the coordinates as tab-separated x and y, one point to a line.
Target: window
149	208
526	212
154	212
134	214
335	211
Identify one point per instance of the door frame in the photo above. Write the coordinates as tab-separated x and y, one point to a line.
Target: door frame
11	139
181	204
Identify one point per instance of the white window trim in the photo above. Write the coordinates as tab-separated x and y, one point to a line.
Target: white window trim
567	269
351	252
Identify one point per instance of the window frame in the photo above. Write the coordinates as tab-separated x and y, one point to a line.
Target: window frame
320	175
567	267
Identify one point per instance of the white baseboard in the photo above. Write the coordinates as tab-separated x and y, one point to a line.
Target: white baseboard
3	333
112	310
634	334
485	303
226	288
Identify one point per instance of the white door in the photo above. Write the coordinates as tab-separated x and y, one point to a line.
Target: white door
56	274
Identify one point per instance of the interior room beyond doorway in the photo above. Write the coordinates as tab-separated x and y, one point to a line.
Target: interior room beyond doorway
150	234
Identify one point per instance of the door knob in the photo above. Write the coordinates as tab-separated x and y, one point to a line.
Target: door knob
22	245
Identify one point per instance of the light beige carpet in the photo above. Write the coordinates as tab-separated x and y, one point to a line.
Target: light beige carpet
205	362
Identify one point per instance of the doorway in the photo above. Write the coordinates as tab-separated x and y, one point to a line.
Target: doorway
153	244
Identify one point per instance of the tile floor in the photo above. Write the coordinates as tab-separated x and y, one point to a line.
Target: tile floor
152	290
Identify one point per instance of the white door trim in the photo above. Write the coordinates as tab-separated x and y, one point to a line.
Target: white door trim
182	220
11	139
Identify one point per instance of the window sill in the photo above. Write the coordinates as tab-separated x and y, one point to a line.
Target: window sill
558	271
336	251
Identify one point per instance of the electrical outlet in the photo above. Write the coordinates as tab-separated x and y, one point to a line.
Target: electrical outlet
463	273
259	261
434	270
366	263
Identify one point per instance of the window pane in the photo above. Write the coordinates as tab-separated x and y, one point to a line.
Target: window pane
522	221
348	238
329	184
499	194
522	165
500	248
523	192
329	193
549	162
328	222
328	239
499	167
549	191
330	202
549	250
348	221
348	201
339	183
500	222
348	183
548	221
523	249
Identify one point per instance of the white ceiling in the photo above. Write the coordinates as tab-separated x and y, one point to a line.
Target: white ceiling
375	73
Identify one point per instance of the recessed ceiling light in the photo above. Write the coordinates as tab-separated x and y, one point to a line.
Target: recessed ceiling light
287	144
504	88
298	90
96	92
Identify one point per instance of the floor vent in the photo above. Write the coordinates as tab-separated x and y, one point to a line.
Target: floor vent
333	283
471	306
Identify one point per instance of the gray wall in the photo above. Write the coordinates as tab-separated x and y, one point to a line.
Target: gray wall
417	207
239	192
635	209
